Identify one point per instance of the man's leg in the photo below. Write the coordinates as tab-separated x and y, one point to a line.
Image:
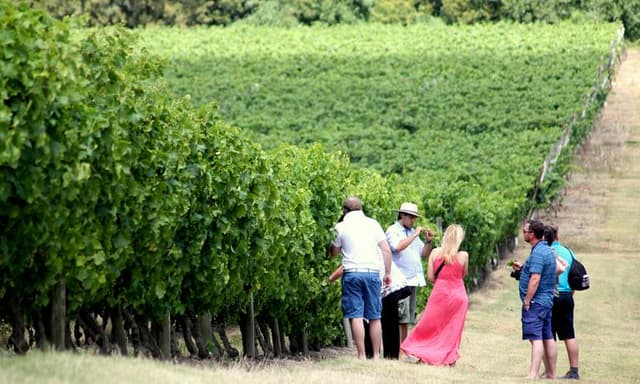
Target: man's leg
403	318
403	329
551	353
375	331
550	345
390	329
404	314
357	330
545	362
368	350
537	354
574	354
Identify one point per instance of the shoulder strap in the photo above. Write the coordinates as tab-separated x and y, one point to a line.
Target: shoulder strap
439	269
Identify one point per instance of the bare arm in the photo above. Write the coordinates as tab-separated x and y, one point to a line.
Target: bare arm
561	265
333	250
426	250
430	271
534	283
464	260
386	255
335	275
404	243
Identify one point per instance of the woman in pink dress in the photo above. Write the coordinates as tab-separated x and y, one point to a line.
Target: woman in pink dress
436	338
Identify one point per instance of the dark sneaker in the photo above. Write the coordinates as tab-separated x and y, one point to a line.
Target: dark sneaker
570	375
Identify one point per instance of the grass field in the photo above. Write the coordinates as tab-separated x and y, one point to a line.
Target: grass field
599	219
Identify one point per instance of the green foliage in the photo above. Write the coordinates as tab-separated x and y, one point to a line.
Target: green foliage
324	11
288	13
219	12
394	11
469	11
627	11
275	13
456	142
272	91
45	155
134	198
531	11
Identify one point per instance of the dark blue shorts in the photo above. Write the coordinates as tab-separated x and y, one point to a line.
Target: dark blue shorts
536	323
562	316
361	295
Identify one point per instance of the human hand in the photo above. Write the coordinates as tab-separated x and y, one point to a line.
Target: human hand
428	235
386	280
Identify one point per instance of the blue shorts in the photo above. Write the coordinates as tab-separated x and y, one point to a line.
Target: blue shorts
361	295
536	323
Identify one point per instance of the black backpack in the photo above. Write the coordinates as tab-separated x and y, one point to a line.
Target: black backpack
578	276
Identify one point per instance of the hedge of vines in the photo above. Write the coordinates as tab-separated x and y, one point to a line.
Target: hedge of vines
120	205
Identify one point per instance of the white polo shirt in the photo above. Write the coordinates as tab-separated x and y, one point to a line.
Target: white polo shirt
358	236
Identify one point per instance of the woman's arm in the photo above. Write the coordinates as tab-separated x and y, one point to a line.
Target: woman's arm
430	271
561	265
464	258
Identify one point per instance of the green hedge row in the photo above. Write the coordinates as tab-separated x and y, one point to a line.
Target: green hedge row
466	115
292	12
135	200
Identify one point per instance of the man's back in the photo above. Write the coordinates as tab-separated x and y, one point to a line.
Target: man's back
359	235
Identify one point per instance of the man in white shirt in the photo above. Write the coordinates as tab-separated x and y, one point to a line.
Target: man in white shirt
408	251
360	239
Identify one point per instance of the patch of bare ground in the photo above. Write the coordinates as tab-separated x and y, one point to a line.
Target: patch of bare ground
605	169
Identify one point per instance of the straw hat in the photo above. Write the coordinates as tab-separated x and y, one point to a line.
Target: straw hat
409	209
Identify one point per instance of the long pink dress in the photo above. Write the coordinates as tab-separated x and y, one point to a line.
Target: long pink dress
436	338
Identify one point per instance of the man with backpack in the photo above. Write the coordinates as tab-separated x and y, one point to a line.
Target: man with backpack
563	305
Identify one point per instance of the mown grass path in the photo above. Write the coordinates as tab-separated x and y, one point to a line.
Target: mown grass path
599	217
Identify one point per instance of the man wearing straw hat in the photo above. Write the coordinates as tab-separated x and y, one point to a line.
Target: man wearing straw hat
408	250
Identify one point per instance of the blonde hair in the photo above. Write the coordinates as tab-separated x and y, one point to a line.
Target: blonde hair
451	240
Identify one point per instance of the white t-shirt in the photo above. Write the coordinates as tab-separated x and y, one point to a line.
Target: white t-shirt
358	236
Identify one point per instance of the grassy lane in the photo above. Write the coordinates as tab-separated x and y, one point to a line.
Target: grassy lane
613	309
599	218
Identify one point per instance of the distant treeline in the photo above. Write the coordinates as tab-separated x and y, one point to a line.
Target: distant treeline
289	12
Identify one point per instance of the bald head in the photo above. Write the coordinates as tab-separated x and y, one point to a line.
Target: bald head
352	203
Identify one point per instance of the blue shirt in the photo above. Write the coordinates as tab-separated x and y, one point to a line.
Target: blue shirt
409	260
542	261
563	279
